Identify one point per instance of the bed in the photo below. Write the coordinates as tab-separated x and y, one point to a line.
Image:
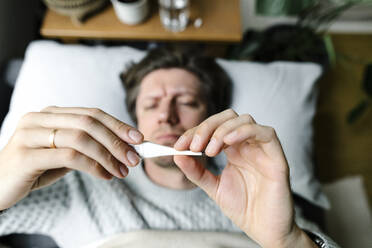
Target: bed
279	94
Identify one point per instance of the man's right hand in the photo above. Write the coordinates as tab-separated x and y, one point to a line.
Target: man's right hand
86	139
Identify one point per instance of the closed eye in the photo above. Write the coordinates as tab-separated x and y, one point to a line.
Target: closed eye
149	107
191	104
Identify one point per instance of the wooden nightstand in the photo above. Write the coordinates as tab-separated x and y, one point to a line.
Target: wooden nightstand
221	23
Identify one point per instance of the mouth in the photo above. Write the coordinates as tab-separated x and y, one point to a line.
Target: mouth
167	139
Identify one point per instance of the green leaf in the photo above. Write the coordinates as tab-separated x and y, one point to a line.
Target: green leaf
357	111
367	81
330	49
281	7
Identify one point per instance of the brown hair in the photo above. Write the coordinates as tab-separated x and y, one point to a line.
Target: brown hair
216	84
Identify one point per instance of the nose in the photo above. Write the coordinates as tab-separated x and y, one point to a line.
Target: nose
168	113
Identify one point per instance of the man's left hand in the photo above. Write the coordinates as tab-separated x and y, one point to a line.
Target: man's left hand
253	190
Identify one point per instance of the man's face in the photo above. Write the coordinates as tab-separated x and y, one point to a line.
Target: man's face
169	102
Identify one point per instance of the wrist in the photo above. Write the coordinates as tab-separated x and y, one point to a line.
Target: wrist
297	239
316	239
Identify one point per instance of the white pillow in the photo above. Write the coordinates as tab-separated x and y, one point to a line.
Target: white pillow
279	94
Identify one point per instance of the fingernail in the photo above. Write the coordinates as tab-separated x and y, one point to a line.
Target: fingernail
231	136
135	135
180	142
133	157
123	170
212	146
196	142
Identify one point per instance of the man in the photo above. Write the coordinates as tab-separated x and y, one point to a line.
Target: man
176	100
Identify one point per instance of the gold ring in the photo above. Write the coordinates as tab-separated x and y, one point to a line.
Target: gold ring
51	138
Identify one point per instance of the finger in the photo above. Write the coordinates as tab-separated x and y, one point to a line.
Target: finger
49	177
268	162
251	132
184	141
121	129
256	134
196	173
216	142
78	140
117	147
47	159
199	137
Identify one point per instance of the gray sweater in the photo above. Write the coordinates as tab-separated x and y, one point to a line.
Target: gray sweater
80	209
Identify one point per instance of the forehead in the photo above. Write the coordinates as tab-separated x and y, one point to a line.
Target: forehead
171	81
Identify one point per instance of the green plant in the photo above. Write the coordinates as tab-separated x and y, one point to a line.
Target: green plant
294	7
304	41
281	7
359	109
319	17
322	13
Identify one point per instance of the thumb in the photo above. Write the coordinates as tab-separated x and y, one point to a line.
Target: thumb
195	171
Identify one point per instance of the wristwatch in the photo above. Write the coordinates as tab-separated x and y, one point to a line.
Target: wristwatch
316	239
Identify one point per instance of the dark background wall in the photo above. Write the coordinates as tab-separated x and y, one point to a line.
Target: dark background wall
19	24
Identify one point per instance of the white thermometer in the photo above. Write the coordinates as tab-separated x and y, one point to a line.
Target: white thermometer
151	150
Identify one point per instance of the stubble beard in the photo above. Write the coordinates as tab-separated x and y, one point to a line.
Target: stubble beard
165	162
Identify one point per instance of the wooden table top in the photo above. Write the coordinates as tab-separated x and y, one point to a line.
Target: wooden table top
221	23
